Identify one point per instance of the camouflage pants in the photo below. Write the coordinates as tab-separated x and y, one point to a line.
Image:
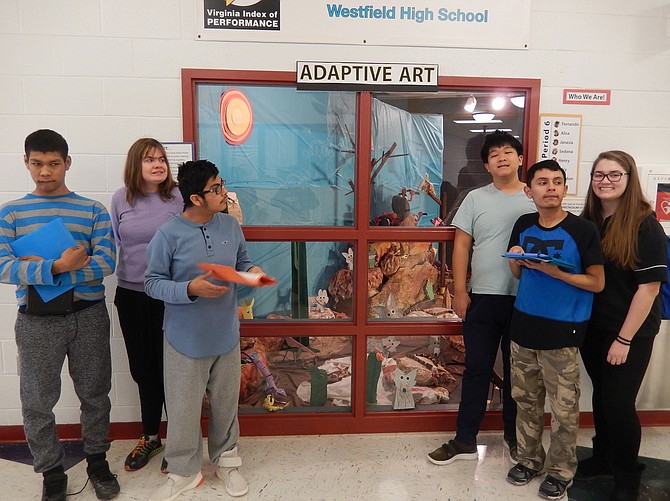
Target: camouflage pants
553	374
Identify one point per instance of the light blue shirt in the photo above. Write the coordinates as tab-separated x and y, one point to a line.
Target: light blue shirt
488	215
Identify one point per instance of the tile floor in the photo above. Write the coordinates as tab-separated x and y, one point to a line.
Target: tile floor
375	467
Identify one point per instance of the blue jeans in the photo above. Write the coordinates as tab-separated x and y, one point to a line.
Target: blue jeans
486	328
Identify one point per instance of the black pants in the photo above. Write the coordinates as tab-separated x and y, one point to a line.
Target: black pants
141	319
486	328
615	389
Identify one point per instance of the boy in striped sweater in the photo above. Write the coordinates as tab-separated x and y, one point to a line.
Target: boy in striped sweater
80	332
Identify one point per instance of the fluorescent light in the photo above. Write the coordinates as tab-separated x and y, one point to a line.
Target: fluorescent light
494	121
489	130
518	101
483	116
470	104
498	103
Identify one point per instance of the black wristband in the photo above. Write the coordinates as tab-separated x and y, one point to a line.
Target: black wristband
623	340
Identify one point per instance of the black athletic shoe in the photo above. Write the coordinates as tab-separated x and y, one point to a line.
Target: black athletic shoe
104	481
521	475
553	488
452	451
143	452
54	487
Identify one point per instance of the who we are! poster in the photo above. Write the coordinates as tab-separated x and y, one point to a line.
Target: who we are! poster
257	15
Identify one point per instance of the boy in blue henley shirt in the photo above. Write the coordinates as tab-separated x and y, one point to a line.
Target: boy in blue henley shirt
202	330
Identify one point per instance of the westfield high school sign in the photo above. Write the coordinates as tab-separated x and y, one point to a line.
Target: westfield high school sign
492	24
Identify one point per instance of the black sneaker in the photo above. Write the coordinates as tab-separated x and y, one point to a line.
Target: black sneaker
553	488
54	487
104	481
143	452
511	446
593	468
521	475
452	451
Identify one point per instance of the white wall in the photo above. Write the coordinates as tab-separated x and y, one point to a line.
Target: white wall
106	72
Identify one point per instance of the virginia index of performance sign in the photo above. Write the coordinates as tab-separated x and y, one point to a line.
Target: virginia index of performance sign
261	15
312	75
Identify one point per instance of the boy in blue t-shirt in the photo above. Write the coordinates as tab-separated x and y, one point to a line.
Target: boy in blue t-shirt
551	312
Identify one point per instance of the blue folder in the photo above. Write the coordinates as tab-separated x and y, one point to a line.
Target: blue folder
48	242
539	258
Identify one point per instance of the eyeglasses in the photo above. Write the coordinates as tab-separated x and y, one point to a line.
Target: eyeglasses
612	176
215	188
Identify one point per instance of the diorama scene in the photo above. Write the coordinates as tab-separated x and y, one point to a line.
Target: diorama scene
294	157
298	374
414	372
315	281
293	374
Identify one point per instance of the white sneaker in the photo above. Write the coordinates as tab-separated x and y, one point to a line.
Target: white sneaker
227	470
175	485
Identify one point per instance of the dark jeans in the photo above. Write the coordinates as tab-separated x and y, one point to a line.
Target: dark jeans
615	389
486	328
141	319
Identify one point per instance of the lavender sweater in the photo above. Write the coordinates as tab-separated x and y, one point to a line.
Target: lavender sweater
134	226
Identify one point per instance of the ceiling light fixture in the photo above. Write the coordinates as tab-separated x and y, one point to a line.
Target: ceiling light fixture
498	103
494	121
470	104
518	101
476	131
483	116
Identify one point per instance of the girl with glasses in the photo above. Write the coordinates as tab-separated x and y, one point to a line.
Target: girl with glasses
626	316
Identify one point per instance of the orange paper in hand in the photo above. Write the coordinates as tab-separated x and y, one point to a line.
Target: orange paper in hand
228	274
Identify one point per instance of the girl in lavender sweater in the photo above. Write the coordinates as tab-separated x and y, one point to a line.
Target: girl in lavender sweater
148	199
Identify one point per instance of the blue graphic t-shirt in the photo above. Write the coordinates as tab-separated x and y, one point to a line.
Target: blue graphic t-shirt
550	313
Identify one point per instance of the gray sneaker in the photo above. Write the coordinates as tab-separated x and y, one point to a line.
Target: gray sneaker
452	451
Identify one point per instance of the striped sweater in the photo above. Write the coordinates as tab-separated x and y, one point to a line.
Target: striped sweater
90	225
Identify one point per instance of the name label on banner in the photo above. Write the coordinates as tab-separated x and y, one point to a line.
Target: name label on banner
312	75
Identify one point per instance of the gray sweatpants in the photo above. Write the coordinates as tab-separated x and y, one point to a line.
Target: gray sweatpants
43	342
186	381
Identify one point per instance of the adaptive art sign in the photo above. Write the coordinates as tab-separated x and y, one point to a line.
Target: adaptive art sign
370	76
495	24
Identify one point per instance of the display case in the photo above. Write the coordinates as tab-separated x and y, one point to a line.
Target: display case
345	197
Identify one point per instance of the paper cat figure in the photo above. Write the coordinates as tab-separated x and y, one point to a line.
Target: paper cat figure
389	345
403	389
319	301
349	258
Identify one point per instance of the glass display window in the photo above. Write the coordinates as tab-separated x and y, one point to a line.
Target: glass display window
288	155
426	151
315	282
296	374
345	197
429	368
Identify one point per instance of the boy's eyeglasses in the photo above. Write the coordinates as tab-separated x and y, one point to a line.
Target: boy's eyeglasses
612	176
215	188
